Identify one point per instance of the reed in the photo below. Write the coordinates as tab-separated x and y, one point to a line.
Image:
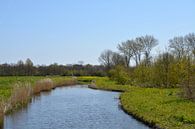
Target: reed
43	85
21	93
20	96
1	114
65	82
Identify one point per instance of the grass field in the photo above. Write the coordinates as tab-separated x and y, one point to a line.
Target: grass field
7	83
161	107
16	91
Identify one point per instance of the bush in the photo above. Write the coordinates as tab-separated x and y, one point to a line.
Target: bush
143	76
120	75
189	85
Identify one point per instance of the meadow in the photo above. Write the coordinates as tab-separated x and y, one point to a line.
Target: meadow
16	91
156	107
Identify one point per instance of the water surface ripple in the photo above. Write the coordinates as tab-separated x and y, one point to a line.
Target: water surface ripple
72	108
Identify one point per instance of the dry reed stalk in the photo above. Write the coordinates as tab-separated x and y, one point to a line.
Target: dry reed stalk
66	83
21	94
1	114
43	85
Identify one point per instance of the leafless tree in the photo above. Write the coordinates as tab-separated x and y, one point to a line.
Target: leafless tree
117	59
136	48
190	41
106	58
178	46
127	52
147	43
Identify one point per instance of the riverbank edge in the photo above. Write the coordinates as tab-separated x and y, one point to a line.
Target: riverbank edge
134	115
21	104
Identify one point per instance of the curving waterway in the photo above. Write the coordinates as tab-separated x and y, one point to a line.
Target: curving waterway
75	107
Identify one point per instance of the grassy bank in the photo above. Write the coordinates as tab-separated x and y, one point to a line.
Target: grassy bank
162	108
17	91
7	83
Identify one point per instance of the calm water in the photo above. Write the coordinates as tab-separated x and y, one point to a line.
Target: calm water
73	108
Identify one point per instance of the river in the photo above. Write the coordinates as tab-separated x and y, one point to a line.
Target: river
75	107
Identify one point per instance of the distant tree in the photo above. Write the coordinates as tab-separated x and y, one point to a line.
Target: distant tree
127	52
117	59
178	47
147	43
20	68
137	49
29	67
106	58
190	41
28	62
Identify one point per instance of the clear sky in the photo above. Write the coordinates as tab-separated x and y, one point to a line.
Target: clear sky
67	31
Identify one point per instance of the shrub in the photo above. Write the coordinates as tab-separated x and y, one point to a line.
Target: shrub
120	75
189	88
188	82
143	76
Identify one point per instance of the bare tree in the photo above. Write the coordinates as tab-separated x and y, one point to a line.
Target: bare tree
147	43
136	48
178	46
106	58
127	52
190	42
117	59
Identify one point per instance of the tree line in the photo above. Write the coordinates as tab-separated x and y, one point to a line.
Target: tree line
134	64
27	68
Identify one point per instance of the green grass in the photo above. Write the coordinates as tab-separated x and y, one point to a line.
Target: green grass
7	83
163	107
86	79
21	96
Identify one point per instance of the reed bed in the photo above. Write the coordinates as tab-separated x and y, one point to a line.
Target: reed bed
68	82
1	114
21	94
43	85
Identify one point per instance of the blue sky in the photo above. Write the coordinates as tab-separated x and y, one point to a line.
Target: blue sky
67	31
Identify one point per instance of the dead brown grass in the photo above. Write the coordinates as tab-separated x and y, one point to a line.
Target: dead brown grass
1	114
21	94
66	83
43	85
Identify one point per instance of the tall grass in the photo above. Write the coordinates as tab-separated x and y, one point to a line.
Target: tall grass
43	85
1	114
21	94
62	81
17	91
